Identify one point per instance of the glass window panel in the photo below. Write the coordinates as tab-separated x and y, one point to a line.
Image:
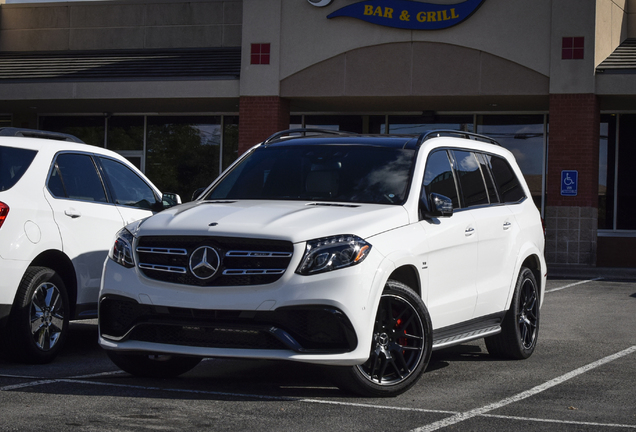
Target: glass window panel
510	189
127	187
423	123
78	177
89	129
183	152
470	179
606	171
523	136
626	182
125	133
439	179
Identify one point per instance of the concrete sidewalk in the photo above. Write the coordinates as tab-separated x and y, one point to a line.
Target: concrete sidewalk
559	271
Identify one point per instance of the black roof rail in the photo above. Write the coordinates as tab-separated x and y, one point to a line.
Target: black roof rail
304	132
34	133
450	132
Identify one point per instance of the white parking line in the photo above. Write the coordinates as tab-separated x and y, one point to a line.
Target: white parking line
572	284
560	421
460	417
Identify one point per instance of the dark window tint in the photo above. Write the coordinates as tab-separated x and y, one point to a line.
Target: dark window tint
75	177
13	164
438	177
510	190
490	185
127	187
470	179
340	173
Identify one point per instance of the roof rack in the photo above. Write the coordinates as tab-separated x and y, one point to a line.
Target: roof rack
34	133
304	132
461	134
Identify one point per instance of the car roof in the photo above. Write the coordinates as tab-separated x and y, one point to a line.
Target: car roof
53	146
306	137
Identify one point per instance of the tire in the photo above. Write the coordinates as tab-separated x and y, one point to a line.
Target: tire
38	324
152	365
520	328
400	349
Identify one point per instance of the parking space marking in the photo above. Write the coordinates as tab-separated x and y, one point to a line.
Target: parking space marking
29	384
460	417
573	284
577	423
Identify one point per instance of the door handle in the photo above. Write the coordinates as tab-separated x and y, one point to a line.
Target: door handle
469	231
72	213
506	225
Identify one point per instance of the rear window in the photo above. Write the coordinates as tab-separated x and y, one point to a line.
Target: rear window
336	173
13	164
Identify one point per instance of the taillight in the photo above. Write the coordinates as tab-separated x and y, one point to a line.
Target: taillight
4	211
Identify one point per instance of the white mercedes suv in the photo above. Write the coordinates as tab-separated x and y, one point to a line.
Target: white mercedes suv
61	203
361	253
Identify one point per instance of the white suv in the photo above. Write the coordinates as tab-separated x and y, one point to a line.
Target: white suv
363	253
61	203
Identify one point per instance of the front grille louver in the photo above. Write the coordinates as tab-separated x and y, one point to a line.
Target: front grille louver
242	261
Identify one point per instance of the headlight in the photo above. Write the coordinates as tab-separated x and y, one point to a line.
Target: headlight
122	250
331	253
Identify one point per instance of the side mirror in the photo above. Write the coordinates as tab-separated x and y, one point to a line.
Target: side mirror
170	199
441	206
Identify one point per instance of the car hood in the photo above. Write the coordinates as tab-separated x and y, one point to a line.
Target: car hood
286	220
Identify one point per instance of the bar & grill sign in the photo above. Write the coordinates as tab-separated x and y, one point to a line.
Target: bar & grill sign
409	14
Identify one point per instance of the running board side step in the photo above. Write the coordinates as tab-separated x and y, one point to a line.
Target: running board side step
465	337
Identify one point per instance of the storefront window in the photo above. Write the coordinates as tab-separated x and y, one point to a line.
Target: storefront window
523	135
89	129
183	153
125	133
606	172
625	180
423	123
346	123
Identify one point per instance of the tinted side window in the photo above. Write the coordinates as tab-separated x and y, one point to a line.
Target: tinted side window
470	179
485	170
75	176
510	190
438	177
13	164
127	187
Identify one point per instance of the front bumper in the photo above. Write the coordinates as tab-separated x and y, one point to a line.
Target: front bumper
325	318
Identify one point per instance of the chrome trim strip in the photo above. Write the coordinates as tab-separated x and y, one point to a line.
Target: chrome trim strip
240	272
163	268
257	254
165	251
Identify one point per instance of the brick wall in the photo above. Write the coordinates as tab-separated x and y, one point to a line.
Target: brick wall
572	222
260	117
574	145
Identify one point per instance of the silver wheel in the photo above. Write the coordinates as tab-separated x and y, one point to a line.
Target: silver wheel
46	316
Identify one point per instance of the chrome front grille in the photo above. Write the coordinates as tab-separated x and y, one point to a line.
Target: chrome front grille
240	261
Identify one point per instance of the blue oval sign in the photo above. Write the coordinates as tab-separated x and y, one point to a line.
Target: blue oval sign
409	14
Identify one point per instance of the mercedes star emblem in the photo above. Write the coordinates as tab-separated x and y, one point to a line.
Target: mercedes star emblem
204	262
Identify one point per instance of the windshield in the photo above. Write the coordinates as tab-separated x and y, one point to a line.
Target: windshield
336	173
13	163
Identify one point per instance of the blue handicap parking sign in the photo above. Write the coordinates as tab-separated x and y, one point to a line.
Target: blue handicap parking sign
569	182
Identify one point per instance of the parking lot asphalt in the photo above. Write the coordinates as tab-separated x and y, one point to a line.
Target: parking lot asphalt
581	377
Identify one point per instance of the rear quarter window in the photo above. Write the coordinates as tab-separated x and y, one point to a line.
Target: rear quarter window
13	164
510	189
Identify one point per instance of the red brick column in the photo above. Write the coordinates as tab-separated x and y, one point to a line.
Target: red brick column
573	145
260	117
572	221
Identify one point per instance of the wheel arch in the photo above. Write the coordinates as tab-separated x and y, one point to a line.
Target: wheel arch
63	266
408	275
